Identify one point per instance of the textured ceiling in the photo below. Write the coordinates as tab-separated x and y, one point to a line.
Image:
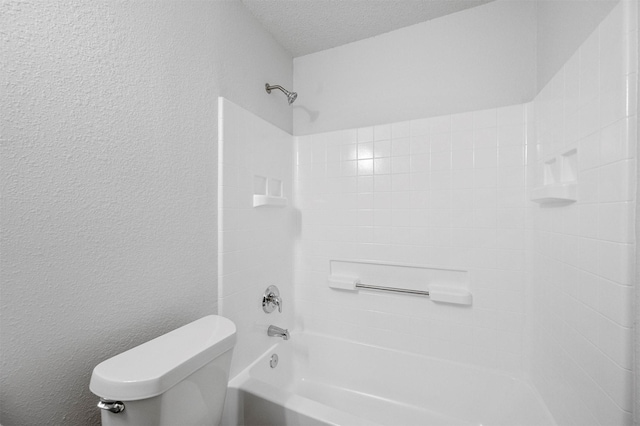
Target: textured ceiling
308	26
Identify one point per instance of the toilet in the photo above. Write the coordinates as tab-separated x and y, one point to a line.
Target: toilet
179	378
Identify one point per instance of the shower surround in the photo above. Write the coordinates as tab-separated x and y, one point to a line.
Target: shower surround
446	192
551	284
584	253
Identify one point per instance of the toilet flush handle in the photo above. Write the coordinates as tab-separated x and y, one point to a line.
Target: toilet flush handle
112	406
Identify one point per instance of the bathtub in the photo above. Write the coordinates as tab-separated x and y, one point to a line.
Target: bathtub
321	380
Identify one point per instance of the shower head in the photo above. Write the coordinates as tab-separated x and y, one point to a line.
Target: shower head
291	96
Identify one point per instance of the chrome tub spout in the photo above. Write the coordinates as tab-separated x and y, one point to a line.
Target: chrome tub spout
278	332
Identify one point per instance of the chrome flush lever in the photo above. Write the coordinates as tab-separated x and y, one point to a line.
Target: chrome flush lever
271	299
111	406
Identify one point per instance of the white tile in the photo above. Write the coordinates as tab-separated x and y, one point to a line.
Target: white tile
441	124
485	138
365	167
348	152
401	130
589	152
382	166
461	140
420	127
614	144
420	163
382	184
511	115
615	222
485	118
440	142
440	180
400	164
589	118
572	85
420	144
382	132
589	68
401	147
349	168
485	177
511	135
588	186
485	158
511	156
382	149
462	159
616	262
616	302
616	342
617	383
614	181
462	122
613	104
333	153
589	255
365	150
365	184
401	182
440	161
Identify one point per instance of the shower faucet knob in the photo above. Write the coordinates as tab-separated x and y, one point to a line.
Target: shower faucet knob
271	299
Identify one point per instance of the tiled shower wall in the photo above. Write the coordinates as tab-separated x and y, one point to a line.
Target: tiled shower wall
254	243
584	252
445	192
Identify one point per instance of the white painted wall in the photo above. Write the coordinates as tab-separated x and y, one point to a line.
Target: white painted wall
562	26
584	253
479	58
109	164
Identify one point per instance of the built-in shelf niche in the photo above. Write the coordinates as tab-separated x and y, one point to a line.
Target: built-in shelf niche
559	181
268	192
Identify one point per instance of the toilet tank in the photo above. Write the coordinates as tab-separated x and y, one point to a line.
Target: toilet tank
179	378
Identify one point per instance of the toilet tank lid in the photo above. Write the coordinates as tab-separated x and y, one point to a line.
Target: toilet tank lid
155	366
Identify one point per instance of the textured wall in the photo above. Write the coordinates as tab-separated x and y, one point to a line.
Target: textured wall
108	172
479	58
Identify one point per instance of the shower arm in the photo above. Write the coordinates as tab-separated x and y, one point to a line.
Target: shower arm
275	86
291	96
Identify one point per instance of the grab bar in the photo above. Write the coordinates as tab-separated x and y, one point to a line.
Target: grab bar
393	289
437	292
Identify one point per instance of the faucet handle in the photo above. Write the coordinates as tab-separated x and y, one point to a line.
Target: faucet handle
271	299
278	302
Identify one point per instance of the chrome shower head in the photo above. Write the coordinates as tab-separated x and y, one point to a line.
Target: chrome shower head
291	96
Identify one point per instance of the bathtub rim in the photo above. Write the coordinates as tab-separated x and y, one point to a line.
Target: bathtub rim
311	408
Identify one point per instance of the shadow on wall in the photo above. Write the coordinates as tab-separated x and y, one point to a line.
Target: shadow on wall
313	115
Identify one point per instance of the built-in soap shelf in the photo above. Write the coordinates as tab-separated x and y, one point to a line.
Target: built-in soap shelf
268	192
560	180
439	285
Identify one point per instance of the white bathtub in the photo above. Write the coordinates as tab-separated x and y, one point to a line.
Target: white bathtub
321	380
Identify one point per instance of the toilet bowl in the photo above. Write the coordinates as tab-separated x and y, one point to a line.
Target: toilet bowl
179	378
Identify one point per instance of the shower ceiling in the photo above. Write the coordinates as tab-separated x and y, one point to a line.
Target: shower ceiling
308	26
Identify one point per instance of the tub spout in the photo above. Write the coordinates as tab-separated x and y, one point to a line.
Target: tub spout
278	332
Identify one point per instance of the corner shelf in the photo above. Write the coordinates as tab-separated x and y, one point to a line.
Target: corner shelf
560	180
555	194
269	201
268	192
